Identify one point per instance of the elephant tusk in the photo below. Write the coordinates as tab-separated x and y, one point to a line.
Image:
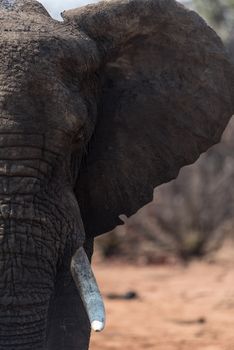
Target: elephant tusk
88	289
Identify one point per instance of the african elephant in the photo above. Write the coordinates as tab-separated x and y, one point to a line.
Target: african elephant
98	110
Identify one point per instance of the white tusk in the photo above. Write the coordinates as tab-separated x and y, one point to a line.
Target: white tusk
88	289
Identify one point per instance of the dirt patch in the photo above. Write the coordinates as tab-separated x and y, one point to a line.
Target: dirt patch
176	308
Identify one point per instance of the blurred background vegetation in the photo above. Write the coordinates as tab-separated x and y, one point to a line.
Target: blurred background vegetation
191	216
220	15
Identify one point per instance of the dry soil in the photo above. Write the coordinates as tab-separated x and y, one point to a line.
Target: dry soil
178	307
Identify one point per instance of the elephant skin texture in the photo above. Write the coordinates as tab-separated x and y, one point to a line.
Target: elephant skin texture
98	110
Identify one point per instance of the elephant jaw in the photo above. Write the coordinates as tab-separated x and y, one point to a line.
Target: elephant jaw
88	289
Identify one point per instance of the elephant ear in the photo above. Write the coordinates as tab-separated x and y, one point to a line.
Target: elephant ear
165	97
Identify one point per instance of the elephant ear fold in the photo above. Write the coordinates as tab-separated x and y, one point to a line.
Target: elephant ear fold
166	87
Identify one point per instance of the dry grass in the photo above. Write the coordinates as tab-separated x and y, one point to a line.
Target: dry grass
179	308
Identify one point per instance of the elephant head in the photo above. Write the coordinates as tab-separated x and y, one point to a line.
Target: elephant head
95	112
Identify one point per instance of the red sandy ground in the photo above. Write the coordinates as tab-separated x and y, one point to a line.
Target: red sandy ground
179	308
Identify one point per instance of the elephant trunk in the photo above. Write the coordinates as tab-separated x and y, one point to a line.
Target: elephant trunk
27	273
23	327
33	231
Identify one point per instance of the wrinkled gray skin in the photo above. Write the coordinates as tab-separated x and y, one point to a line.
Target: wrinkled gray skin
97	110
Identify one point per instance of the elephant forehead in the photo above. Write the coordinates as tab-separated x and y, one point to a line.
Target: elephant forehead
43	70
15	19
22	37
41	74
29	6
